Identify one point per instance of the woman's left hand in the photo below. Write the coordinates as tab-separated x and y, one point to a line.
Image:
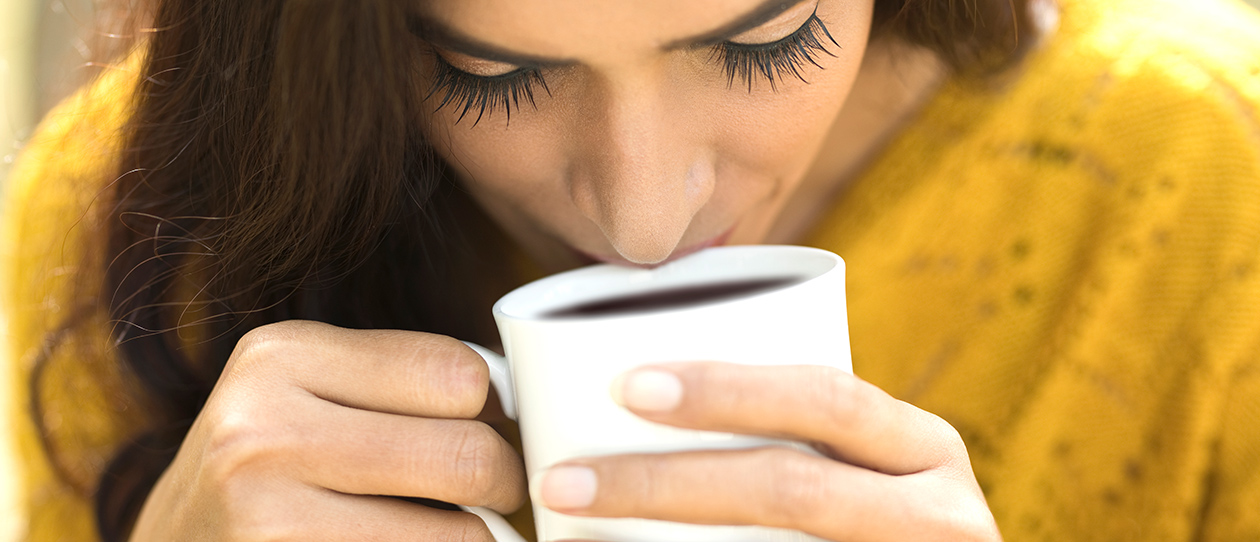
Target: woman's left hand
890	472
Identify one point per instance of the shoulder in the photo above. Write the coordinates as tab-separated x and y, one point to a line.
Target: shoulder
1221	36
1139	122
1177	108
1122	63
82	132
61	172
49	224
48	229
1166	73
1129	57
1159	102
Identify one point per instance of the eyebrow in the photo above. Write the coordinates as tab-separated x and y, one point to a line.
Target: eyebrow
443	36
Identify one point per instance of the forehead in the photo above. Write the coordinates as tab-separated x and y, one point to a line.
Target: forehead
582	28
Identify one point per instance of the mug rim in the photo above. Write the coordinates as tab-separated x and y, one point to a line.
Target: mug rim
538	299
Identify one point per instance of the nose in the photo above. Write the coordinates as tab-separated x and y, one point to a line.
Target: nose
638	170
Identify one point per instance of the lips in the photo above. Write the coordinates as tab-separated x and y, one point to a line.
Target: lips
717	240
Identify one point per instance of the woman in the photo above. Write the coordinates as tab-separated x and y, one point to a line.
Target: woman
1048	211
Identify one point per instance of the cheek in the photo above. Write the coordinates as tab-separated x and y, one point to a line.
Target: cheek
771	134
498	158
777	136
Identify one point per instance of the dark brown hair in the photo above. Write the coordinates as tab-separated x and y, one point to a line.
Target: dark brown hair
973	37
274	169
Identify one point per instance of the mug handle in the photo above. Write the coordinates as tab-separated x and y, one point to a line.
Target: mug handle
501	379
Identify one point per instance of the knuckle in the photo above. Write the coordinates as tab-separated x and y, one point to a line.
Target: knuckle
467	528
950	448
265	336
237	443
463	376
267	342
648	483
948	434
849	402
477	465
797	488
464	366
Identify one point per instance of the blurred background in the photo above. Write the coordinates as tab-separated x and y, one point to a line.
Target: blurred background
44	48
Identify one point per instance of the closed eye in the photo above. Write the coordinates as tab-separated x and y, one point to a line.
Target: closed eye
776	60
773	62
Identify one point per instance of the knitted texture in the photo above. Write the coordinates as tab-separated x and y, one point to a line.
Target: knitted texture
1064	264
1066	268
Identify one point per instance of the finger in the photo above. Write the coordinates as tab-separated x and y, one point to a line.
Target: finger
774	487
328	516
399	372
458	461
853	420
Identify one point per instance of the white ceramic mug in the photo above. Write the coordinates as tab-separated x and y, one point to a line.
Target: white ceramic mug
558	370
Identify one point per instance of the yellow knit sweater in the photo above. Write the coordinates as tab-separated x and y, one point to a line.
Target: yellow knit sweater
1065	266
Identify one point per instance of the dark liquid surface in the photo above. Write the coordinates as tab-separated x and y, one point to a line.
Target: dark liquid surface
671	298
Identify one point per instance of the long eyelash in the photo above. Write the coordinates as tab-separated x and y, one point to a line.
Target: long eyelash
775	61
771	61
466	91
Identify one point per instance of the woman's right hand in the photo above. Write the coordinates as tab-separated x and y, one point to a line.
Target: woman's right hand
310	424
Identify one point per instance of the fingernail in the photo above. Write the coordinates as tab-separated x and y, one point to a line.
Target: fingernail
648	390
568	487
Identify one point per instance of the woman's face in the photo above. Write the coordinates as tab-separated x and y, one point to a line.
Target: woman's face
637	131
